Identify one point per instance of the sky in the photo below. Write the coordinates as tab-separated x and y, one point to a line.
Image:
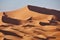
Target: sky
9	5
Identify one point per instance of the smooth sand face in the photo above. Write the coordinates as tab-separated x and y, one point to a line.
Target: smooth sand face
33	26
1	14
22	14
1	36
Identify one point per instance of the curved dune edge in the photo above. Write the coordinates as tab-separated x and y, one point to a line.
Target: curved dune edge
30	23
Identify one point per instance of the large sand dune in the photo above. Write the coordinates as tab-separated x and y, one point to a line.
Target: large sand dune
30	23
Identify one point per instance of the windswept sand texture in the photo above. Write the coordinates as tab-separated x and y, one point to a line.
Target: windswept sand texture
30	23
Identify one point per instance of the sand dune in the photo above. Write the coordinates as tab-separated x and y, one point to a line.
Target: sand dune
30	23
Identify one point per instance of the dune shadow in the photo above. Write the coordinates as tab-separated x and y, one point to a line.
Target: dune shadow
44	11
9	20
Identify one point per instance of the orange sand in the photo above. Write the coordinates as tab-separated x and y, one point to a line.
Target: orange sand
33	25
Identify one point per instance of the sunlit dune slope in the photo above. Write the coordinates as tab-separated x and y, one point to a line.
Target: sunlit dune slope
1	14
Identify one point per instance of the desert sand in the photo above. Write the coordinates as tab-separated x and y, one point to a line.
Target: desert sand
30	23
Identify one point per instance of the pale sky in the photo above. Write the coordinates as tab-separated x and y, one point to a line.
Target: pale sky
9	5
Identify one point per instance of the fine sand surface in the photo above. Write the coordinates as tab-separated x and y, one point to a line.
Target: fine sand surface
30	23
